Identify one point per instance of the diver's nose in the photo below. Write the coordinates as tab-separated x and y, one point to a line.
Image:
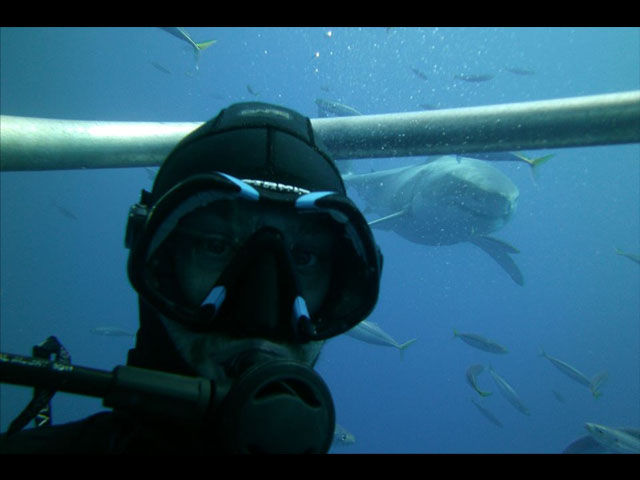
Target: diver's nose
258	306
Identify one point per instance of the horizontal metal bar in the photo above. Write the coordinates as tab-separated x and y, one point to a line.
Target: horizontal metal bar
49	144
568	122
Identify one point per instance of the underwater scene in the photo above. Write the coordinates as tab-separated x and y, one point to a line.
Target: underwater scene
508	319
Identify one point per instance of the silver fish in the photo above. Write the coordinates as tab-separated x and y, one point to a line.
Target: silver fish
631	256
371	333
577	375
614	439
342	437
329	108
480	343
472	373
508	392
589	444
182	34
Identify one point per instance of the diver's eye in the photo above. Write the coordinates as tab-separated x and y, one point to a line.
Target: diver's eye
216	245
304	258
209	245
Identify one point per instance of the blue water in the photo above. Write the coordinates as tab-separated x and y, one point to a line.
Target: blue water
581	302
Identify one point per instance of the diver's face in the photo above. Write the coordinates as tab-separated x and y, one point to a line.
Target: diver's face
209	238
206	241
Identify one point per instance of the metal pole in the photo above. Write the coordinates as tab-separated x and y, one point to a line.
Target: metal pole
566	122
46	144
49	144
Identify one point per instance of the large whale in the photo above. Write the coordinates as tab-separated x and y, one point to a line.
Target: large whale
449	200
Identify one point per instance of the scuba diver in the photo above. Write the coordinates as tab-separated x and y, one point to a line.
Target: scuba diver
246	256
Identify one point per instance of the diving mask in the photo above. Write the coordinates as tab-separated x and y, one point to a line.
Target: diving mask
214	249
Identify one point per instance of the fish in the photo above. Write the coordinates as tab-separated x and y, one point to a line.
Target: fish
534	163
64	211
598	380
577	375
472	373
329	108
419	74
480	343
520	71
487	414
445	201
474	78
614	439
631	256
588	444
558	396
181	33
252	91
160	68
112	332
370	332
508	392
342	437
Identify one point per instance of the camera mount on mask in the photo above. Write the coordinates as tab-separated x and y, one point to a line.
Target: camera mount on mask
248	419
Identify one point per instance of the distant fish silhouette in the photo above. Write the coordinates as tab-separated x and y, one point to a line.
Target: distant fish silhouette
558	396
112	332
64	211
419	74
474	78
487	414
252	91
161	68
520	71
